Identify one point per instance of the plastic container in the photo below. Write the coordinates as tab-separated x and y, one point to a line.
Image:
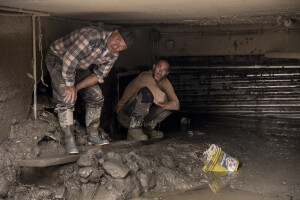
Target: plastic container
217	160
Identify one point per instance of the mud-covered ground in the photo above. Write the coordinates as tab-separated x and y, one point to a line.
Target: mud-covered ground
154	169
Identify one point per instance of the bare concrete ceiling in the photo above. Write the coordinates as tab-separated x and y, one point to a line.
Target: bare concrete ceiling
165	11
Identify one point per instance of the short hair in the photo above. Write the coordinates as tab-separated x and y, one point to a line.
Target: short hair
129	35
164	60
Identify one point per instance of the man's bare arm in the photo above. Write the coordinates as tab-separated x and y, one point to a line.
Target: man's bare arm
170	105
87	82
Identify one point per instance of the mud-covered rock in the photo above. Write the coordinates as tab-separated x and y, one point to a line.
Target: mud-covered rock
103	180
126	188
88	159
130	161
113	155
36	150
43	194
59	192
4	186
175	179
4	159
96	175
84	180
147	179
21	190
115	168
108	193
85	161
133	166
85	172
168	161
101	161
88	191
11	174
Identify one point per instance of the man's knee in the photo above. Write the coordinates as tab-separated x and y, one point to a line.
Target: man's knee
93	96
147	96
98	101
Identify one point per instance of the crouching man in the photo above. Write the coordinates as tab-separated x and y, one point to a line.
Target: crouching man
77	63
146	101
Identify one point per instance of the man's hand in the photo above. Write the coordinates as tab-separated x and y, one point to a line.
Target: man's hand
70	94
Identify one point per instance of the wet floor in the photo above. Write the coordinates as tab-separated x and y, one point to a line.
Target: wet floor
170	168
206	193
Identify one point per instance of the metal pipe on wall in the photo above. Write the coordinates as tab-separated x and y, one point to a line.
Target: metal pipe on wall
34	66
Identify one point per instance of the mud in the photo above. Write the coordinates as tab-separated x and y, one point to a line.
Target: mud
167	168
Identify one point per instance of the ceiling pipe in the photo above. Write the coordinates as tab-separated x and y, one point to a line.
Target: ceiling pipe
286	55
21	10
14	14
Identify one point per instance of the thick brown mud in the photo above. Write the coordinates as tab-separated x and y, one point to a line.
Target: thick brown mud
170	168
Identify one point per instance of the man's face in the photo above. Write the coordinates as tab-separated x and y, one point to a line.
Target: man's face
115	42
160	70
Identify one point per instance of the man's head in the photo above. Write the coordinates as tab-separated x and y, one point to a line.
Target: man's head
121	39
161	70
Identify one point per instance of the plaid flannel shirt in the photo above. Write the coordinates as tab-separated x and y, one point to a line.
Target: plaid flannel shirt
80	49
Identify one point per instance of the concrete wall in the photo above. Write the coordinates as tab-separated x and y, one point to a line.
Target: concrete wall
138	54
15	63
227	40
51	30
176	41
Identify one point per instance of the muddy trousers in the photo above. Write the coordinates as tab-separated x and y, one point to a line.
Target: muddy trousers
92	96
140	111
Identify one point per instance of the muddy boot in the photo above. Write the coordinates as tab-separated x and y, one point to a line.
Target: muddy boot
70	144
152	133
66	124
135	131
136	134
92	120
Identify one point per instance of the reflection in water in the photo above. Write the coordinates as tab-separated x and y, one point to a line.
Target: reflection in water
218	180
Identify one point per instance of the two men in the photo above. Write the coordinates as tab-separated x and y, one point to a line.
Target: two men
76	63
146	101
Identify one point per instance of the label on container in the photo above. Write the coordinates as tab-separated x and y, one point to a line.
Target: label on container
228	162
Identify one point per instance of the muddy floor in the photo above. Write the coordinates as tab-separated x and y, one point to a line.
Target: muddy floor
170	168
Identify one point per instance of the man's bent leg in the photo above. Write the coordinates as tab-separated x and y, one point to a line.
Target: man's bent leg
132	115
64	110
155	116
67	127
94	102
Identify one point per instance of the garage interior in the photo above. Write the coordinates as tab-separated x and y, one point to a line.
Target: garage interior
234	66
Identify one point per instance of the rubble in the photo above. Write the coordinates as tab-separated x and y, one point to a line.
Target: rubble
126	170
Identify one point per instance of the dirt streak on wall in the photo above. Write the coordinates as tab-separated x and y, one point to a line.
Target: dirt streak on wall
15	63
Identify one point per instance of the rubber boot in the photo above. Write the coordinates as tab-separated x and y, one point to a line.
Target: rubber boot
92	120
66	124
152	133
70	144
135	131
136	134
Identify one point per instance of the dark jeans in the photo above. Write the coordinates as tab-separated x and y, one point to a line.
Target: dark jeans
142	105
92	95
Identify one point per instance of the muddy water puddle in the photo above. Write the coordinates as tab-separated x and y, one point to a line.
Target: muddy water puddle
217	188
206	193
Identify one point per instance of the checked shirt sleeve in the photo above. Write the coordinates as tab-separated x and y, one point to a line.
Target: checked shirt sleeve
81	48
102	70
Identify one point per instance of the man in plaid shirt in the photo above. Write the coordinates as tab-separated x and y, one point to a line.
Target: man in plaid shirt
76	63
